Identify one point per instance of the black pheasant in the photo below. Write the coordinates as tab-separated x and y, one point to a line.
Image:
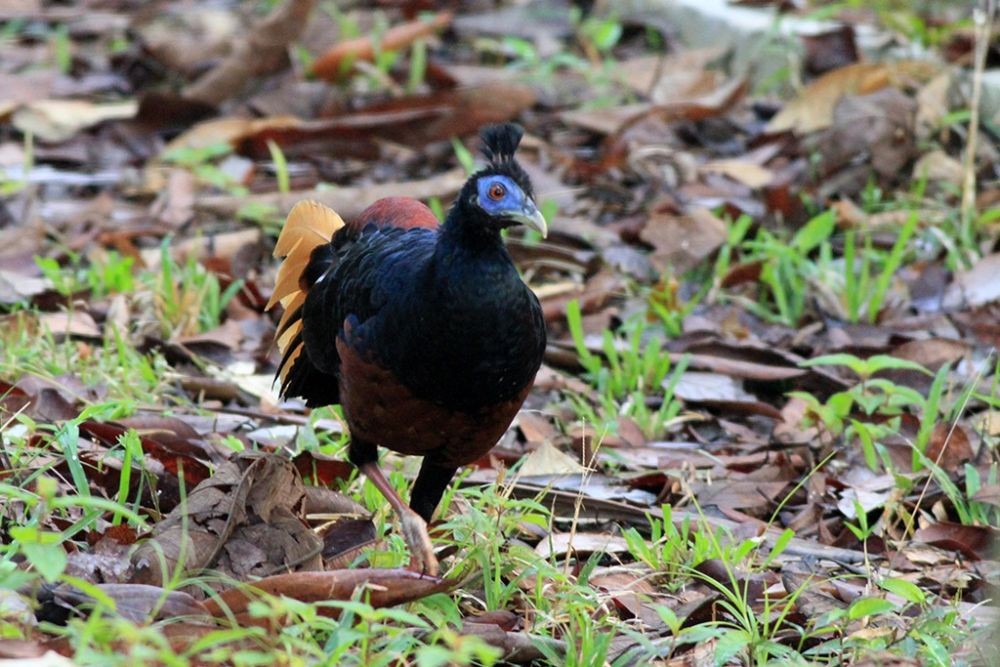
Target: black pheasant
423	332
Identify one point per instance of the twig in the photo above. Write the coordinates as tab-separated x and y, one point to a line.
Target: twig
260	52
347	201
983	18
331	65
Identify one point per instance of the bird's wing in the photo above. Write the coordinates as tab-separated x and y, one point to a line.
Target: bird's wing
353	275
398	212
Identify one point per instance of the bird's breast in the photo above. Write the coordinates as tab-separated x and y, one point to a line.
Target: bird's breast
381	408
470	343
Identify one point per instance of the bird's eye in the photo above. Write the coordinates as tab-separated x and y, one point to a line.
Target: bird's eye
497	192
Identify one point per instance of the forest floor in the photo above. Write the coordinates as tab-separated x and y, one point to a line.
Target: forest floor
767	425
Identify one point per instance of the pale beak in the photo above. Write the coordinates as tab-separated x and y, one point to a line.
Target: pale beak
530	217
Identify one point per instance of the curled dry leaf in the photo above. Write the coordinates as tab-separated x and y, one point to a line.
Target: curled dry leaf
813	108
25	652
344	539
382	588
59	120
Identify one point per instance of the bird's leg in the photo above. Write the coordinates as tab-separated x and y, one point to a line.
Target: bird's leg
431	483
414	527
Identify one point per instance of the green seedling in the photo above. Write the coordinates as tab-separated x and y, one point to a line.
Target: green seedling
631	372
187	297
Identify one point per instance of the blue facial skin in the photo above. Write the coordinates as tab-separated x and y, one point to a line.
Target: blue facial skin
513	201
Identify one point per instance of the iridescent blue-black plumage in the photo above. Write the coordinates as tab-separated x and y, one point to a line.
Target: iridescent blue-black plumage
425	333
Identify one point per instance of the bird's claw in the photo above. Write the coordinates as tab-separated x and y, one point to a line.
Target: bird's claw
421	552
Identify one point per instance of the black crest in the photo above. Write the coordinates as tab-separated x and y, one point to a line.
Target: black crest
501	141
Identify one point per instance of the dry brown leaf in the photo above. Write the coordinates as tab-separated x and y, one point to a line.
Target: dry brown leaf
25	652
989	494
949	447
749	174
70	323
519	648
973	541
932	353
139	603
243	521
878	126
932	103
15	287
740	494
604	120
977	286
59	120
988	422
939	166
829	49
673	78
230	130
22	88
547	460
681	242
580	543
813	108
631	591
535	428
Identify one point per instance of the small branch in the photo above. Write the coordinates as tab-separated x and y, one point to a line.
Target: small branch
261	52
347	201
330	65
983	19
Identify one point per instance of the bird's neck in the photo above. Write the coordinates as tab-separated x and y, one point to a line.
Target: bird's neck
471	262
472	236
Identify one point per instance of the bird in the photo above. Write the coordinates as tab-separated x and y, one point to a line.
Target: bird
423	332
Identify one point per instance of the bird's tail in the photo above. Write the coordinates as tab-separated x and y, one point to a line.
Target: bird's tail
309	225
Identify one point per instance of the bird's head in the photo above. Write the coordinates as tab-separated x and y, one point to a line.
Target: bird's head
499	195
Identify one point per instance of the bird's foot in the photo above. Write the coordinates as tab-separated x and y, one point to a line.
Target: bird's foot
421	552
